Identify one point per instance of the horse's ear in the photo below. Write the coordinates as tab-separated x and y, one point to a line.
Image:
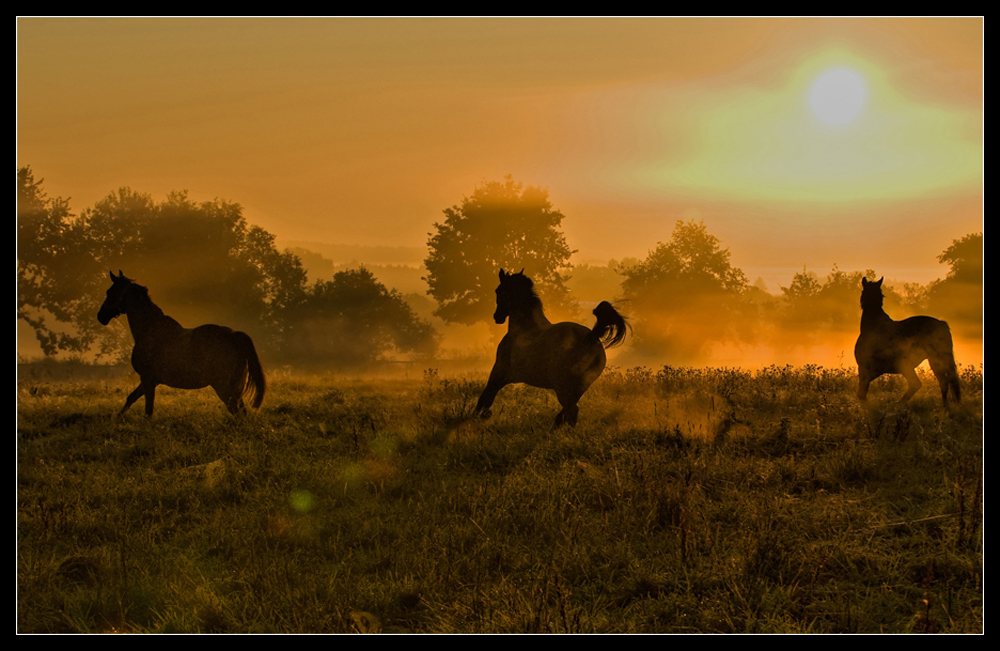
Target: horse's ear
503	274
521	271
879	283
112	274
864	281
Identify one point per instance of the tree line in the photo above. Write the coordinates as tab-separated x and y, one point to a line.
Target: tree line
204	259
204	263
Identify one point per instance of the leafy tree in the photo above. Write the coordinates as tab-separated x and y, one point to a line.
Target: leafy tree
355	319
48	297
958	298
812	306
502	225
965	257
202	262
815	311
686	295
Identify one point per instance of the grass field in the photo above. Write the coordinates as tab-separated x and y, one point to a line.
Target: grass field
685	501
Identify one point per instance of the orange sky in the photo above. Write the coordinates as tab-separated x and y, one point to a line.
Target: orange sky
361	131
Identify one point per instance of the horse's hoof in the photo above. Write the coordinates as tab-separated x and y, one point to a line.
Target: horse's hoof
485	413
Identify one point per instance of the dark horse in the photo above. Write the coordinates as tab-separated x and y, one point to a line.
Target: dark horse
166	353
565	357
887	346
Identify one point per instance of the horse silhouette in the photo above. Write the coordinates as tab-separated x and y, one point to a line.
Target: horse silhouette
565	357
887	346
169	354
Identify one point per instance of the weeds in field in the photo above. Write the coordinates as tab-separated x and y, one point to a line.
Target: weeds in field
687	500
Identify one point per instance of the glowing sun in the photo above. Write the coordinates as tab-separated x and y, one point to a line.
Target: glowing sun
838	96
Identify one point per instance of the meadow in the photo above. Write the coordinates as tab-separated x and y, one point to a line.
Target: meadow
686	500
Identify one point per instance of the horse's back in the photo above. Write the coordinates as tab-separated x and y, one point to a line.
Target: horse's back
895	345
193	358
562	353
923	327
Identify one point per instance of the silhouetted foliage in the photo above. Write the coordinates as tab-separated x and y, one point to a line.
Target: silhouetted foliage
206	264
48	297
965	257
355	319
502	225
958	298
813	307
591	284
685	296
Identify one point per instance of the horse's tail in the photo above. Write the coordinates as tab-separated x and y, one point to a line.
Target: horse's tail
255	384
941	357
610	327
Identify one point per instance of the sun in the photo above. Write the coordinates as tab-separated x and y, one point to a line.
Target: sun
838	96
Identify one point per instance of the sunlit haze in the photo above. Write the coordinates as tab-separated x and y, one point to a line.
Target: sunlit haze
800	143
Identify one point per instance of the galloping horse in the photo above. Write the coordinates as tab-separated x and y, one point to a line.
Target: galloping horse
166	353
887	346
565	357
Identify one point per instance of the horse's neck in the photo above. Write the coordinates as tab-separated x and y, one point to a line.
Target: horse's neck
873	317
149	319
533	319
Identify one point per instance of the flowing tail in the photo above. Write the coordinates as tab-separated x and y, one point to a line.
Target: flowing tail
255	384
610	327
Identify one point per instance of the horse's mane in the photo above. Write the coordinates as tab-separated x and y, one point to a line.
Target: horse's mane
527	297
140	293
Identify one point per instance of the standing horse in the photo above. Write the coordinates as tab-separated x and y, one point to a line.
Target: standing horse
166	353
565	357
887	346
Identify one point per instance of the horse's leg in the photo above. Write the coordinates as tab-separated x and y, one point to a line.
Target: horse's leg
568	398
913	381
567	416
231	395
237	406
149	390
944	382
499	378
235	403
132	397
947	376
496	382
864	380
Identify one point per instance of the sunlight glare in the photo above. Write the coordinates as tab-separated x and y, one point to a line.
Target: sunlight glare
838	96
839	130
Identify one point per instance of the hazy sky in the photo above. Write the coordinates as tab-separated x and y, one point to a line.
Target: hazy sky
855	142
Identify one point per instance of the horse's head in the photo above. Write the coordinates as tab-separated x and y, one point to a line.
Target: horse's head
871	293
514	291
116	302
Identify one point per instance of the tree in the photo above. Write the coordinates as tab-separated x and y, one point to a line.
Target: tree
686	295
354	319
958	298
965	257
202	262
48	292
502	225
811	309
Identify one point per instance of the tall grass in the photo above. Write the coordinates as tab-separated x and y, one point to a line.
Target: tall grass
686	500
